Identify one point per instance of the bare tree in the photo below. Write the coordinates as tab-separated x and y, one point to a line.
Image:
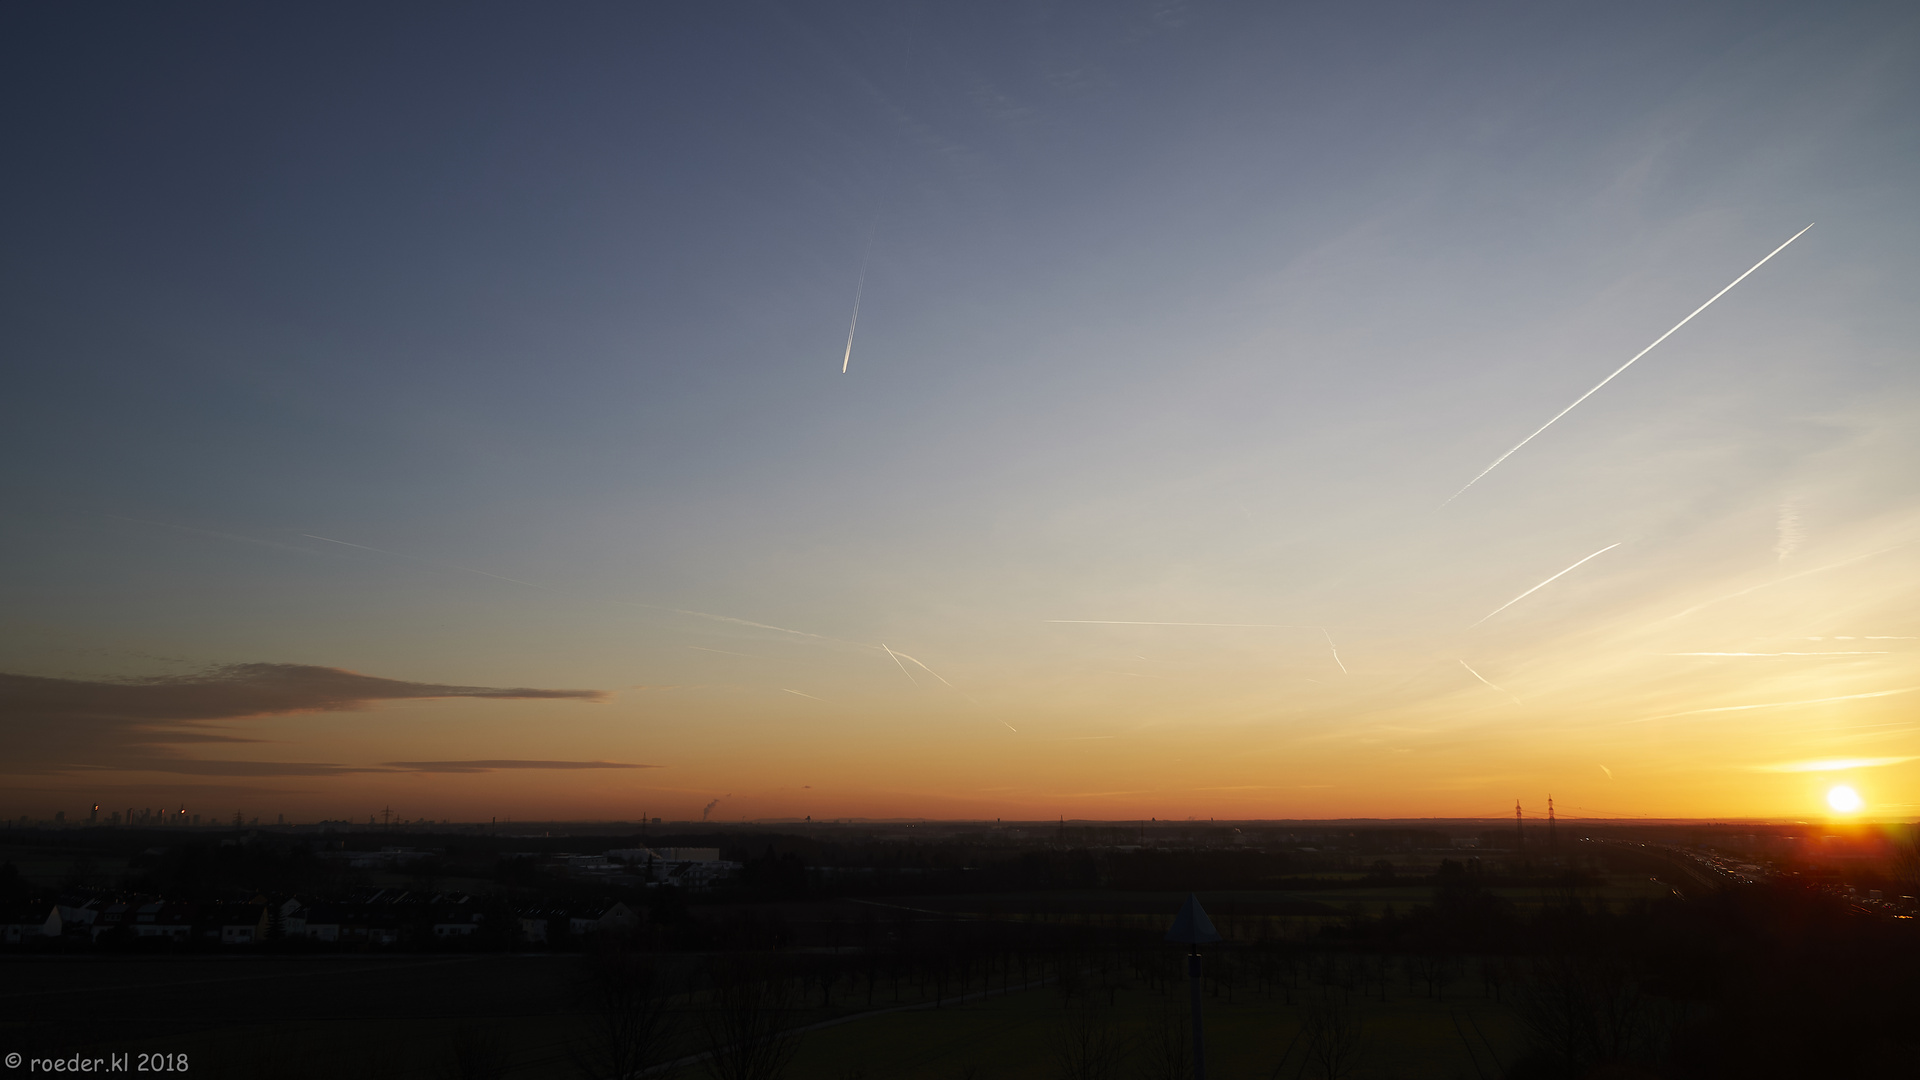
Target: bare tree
1166	1050
1586	1009
629	1029
1088	1045
477	1052
750	1028
1335	1037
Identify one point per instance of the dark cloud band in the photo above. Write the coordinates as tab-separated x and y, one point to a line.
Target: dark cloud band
506	763
66	725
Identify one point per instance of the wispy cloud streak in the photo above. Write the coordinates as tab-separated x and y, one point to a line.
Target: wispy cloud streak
1779	704
1543	584
1139	622
1784	580
1869	652
851	326
1489	682
1622	367
429	562
902	667
1833	765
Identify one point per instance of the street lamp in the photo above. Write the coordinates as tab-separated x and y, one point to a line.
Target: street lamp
1192	928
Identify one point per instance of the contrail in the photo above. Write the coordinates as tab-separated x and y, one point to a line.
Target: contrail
621	603
1778	704
1789	577
430	562
821	700
1608	771
903	667
857	291
1483	679
1336	654
730	652
1542	585
937	675
1010	727
208	532
1625	366
1134	622
1866	652
930	671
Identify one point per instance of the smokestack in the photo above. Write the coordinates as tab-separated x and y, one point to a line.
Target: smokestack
1519	826
1550	835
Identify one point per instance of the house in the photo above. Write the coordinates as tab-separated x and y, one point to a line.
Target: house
322	922
615	917
238	924
156	919
19	925
293	919
456	917
536	924
694	876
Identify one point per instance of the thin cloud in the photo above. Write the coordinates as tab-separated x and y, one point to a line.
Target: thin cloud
1833	765
497	764
1869	652
59	725
237	690
197	767
1780	704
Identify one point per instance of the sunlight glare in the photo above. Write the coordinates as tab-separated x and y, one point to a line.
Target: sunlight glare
1844	799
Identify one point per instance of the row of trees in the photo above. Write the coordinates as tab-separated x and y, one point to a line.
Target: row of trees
1757	981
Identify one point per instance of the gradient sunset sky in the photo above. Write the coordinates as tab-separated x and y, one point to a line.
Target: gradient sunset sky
441	407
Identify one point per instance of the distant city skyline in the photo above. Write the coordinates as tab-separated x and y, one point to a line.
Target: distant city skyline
907	411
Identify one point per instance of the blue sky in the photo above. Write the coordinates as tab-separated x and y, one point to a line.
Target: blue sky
1170	312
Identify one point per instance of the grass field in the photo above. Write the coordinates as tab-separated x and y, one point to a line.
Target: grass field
399	1016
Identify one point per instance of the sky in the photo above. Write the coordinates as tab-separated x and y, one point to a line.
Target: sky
440	409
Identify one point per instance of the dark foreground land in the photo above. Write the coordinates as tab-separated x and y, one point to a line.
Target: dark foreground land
1657	953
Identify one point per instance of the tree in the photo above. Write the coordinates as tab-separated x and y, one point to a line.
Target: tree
1166	1050
750	1032
1088	1045
477	1052
629	1030
1335	1037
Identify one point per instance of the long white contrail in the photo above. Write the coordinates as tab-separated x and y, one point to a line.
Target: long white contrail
1484	679
939	676
1136	622
430	562
857	291
902	667
1542	585
1789	577
903	656
1625	366
1336	654
1777	704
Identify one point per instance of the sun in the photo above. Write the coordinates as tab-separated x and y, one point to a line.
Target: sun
1844	799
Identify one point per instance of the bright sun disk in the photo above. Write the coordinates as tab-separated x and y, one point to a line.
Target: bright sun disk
1844	799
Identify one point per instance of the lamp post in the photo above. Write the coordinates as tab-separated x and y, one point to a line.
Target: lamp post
1192	928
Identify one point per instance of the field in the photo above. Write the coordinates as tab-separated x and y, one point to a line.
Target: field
401	1016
